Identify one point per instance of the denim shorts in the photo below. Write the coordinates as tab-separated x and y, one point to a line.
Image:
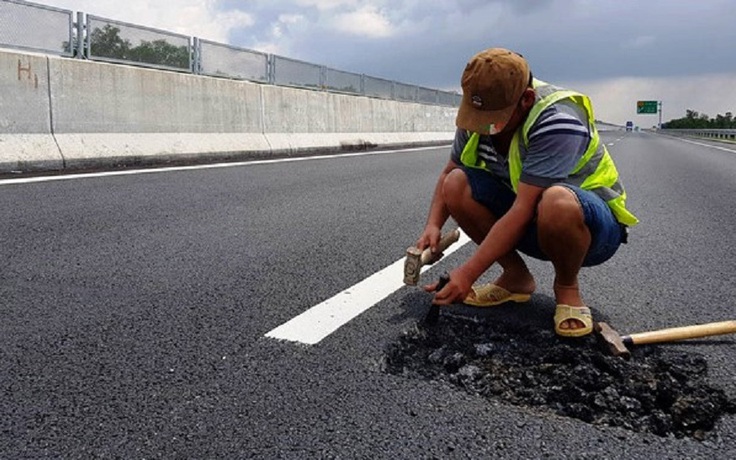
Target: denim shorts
606	232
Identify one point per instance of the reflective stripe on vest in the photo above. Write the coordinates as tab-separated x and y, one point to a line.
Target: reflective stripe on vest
595	171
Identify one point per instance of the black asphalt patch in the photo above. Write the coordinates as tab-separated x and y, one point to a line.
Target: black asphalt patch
656	391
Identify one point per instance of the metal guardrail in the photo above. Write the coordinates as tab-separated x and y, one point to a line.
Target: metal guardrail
101	39
722	134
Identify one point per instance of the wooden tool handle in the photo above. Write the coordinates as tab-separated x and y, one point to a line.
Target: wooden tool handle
682	333
445	241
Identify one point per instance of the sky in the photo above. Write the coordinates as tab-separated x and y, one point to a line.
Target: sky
679	52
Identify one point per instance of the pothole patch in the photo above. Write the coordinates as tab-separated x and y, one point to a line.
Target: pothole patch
656	391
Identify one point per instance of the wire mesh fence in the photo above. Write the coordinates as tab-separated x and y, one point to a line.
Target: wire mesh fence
378	87
35	27
32	27
343	82
117	41
218	60
290	72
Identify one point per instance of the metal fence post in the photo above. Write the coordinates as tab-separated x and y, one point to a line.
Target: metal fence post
81	37
196	56
271	71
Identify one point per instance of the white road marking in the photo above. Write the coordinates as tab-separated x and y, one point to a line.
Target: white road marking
29	180
707	145
325	318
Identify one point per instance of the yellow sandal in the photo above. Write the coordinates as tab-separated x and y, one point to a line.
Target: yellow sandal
567	312
490	295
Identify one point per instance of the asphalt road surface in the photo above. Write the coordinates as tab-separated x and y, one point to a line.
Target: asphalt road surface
135	310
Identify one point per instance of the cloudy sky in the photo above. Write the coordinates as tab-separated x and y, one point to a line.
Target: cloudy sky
682	52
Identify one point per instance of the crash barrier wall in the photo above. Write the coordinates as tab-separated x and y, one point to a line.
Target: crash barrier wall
715	134
603	126
61	113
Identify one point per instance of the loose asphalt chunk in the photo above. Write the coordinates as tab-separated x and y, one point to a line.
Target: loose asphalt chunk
656	391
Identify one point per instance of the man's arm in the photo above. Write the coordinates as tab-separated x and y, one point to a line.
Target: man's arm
438	213
502	239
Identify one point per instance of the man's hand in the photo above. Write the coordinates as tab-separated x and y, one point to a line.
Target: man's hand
430	238
455	291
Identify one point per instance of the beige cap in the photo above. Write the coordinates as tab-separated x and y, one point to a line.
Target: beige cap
493	82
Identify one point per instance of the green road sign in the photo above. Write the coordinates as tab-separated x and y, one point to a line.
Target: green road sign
646	106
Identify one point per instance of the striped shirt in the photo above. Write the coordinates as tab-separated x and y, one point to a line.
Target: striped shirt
557	141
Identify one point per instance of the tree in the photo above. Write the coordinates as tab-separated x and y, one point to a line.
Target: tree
161	52
696	120
106	42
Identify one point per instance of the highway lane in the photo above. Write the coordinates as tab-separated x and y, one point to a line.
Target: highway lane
134	310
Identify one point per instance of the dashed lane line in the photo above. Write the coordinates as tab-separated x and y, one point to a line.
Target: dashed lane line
717	147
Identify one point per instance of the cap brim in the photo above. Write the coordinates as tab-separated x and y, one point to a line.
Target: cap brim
479	121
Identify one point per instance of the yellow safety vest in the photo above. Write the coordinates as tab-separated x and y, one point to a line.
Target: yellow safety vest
595	171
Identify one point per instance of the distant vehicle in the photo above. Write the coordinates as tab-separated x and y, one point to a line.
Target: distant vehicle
629	126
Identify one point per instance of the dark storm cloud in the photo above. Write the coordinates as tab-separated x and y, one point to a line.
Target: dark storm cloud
563	39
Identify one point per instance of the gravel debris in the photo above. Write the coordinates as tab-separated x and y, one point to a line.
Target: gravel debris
656	391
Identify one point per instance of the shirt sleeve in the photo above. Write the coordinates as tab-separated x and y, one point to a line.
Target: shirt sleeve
557	141
461	138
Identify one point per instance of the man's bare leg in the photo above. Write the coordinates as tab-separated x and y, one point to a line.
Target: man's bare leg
476	221
565	238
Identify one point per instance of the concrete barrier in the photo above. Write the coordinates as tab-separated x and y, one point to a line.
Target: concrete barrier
26	143
106	114
61	113
296	121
